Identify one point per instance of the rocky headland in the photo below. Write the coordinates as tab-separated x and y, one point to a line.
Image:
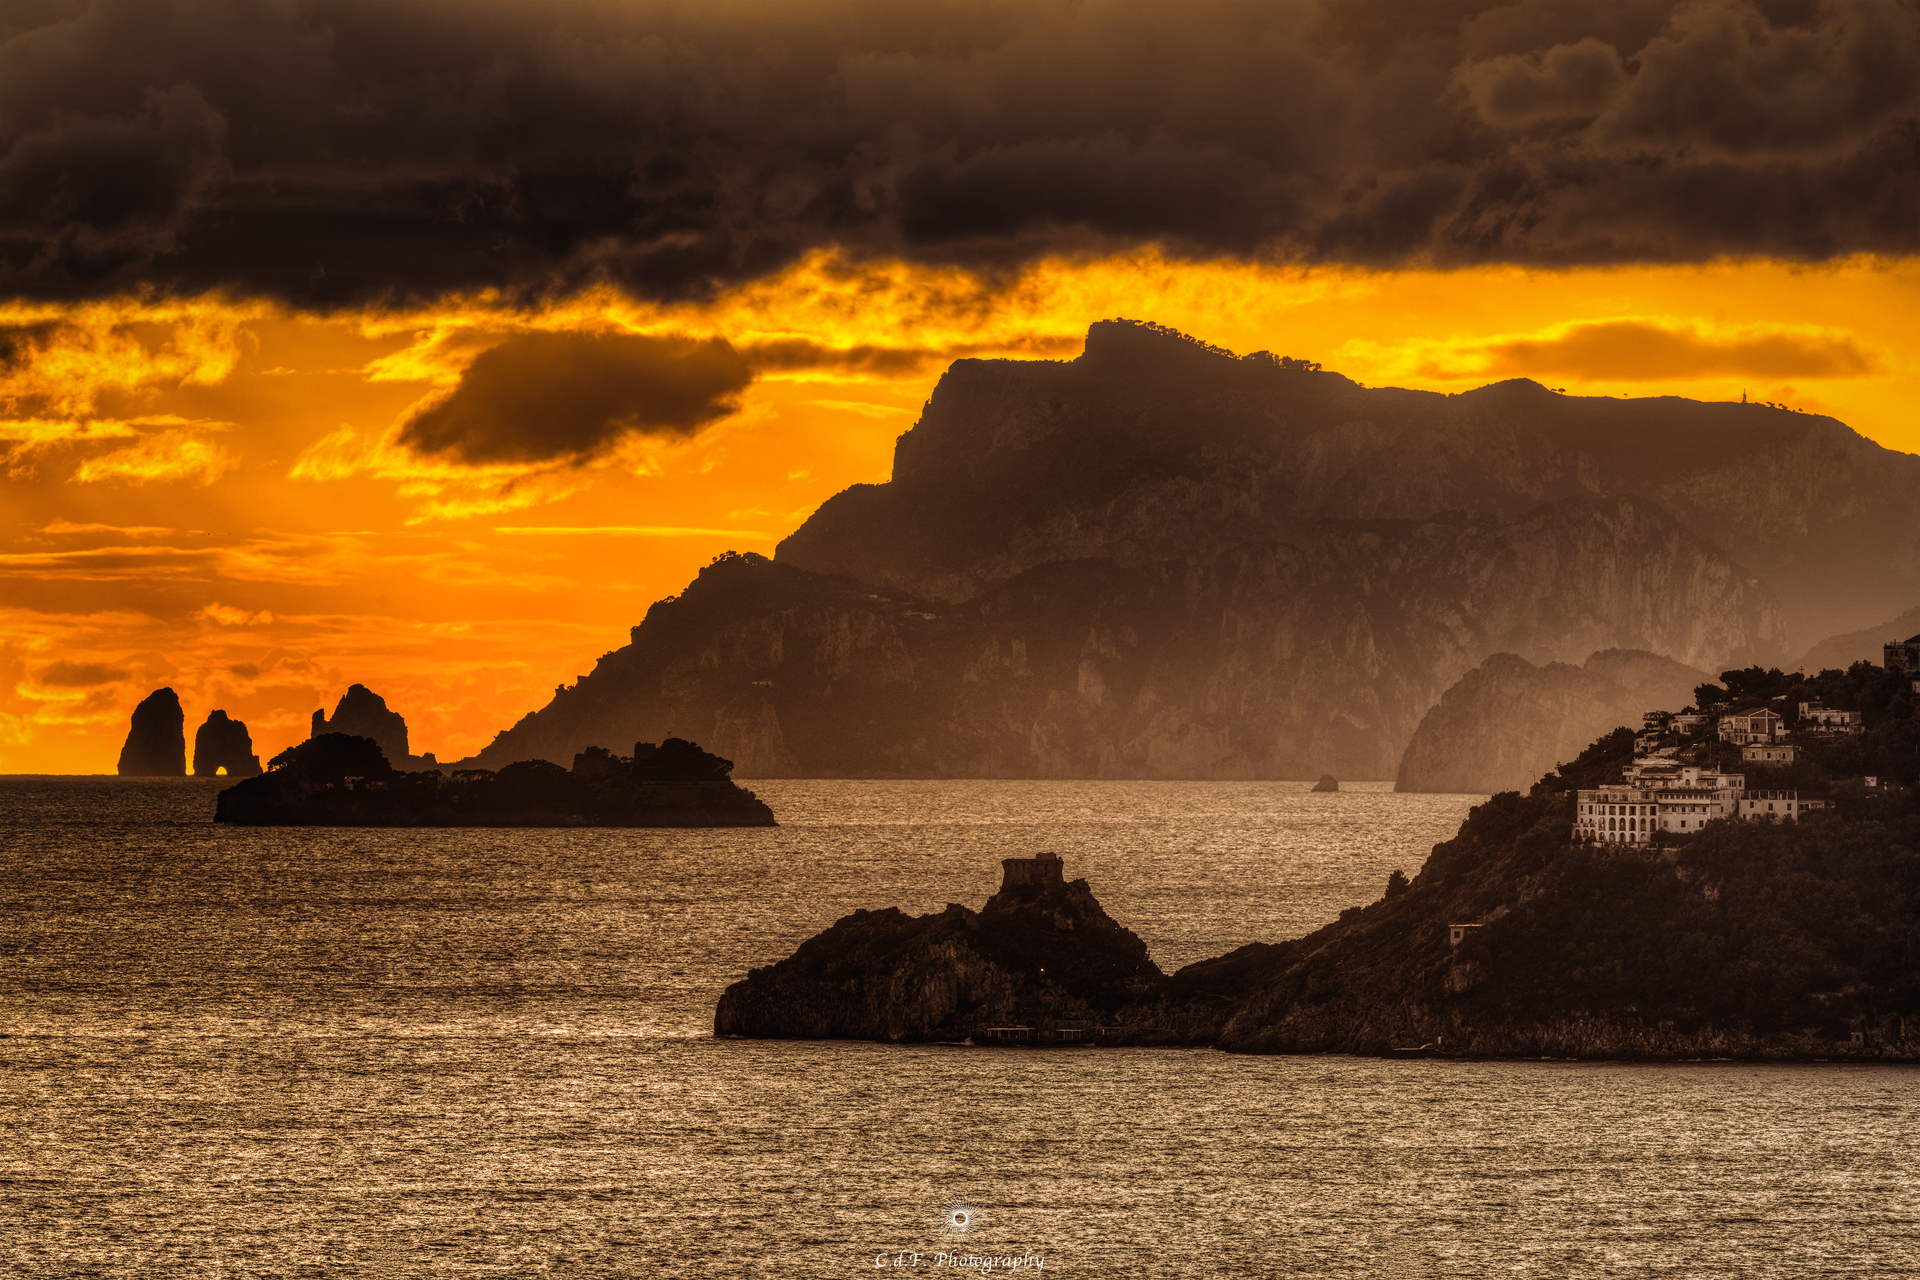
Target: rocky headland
1507	723
156	745
341	780
1040	963
1160	560
1750	939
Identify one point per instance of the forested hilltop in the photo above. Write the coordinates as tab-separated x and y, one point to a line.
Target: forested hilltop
1749	939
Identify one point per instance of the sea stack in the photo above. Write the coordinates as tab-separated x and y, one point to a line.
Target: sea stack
156	744
224	743
1327	783
362	713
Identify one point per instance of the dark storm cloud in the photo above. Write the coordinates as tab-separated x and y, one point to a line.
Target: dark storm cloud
542	397
329	152
790	354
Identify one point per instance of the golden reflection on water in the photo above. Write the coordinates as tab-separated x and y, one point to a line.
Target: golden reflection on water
487	1052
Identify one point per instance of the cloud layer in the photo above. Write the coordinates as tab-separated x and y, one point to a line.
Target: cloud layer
1637	350
337	152
544	397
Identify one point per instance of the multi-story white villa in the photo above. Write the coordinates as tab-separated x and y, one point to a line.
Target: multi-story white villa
1662	796
1659	795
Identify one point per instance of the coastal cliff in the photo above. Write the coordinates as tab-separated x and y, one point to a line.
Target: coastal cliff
1507	722
1152	446
1041	961
1160	560
1268	660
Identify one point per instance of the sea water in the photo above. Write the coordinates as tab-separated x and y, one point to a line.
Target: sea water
397	1053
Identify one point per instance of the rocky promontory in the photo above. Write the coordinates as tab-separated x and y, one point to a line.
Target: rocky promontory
156	745
1040	963
341	780
1748	939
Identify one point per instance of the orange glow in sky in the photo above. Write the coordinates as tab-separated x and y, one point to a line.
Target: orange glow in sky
213	495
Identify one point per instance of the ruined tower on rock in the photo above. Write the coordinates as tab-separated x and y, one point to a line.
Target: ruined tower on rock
1043	869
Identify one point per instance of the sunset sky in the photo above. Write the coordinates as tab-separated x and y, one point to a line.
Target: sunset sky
424	345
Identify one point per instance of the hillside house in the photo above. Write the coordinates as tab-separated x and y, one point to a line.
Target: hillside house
1821	718
1743	727
1689	722
1768	753
1775	806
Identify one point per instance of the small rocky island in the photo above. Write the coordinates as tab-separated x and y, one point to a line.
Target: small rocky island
343	780
1040	964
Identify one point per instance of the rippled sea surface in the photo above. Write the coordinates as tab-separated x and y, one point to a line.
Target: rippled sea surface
372	1053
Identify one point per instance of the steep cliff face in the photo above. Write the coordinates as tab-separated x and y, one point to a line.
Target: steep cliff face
1036	955
1277	660
1508	722
156	745
1150	446
1159	560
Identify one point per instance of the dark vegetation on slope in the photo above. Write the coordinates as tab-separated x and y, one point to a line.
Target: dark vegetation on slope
342	780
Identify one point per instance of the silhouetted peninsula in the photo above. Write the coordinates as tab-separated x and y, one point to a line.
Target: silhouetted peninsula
340	780
222	743
1040	964
156	745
